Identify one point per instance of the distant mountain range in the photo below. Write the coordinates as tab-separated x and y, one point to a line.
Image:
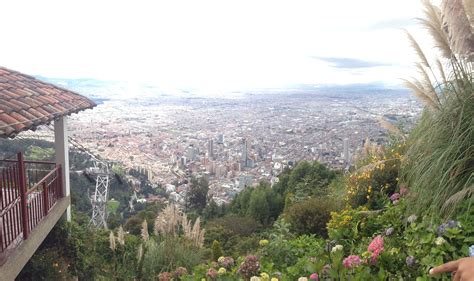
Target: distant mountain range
101	90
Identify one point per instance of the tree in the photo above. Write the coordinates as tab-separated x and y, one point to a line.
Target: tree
211	211
258	206
197	195
216	250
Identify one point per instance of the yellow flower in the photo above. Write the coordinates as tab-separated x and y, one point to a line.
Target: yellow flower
263	242
221	271
265	276
394	251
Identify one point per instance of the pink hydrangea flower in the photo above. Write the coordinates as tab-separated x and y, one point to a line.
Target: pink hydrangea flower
351	261
164	276
395	197
314	277
376	247
249	267
403	191
212	273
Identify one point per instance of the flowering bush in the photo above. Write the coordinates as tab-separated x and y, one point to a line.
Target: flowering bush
352	261
395	197
263	242
314	277
376	176
376	248
212	273
226	262
443	227
337	248
222	271
390	246
179	272
164	276
249	267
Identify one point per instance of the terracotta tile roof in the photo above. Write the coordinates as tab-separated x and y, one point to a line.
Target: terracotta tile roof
26	102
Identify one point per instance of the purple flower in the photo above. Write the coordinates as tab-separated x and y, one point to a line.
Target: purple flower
410	260
443	227
395	197
249	267
453	224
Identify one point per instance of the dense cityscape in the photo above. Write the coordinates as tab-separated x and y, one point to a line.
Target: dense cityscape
238	140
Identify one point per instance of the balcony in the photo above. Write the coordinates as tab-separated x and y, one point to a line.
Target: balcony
34	195
31	202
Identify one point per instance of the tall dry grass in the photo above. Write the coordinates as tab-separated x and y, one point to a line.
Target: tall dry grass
439	164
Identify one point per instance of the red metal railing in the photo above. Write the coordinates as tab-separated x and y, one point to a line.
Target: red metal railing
28	191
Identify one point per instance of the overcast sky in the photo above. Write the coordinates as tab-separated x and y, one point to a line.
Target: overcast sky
216	45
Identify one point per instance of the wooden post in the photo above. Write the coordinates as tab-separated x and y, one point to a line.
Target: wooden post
62	156
22	188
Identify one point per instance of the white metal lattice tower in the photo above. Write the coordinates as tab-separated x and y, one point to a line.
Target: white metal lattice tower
99	199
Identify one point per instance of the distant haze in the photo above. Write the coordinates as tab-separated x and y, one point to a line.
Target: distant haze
212	45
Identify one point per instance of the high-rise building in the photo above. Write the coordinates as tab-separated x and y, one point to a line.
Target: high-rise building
191	153
346	150
245	156
210	149
220	139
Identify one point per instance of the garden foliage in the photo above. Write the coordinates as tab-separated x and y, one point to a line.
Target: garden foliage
404	208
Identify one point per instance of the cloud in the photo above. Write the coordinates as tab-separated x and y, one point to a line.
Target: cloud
350	63
397	23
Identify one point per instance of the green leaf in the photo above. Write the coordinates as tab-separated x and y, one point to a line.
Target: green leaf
469	239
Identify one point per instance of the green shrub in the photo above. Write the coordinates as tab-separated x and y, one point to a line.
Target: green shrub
236	234
216	250
310	216
375	177
168	254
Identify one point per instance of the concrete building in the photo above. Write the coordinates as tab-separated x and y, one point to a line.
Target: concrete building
220	138
346	154
210	149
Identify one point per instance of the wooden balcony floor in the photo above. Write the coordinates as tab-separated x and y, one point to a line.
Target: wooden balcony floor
19	255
